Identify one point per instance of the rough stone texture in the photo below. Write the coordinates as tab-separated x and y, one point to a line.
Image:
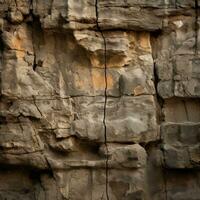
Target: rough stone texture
99	100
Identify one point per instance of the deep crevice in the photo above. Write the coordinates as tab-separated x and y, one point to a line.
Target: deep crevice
33	37
51	7
164	173
186	110
1	59
160	102
105	95
176	6
16	4
196	26
36	34
156	79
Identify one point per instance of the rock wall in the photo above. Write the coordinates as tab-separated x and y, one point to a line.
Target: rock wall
99	100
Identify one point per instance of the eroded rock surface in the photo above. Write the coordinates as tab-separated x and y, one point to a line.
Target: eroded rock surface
99	100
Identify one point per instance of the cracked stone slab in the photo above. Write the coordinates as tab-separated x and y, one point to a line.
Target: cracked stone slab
52	99
80	156
180	145
45	114
124	119
177	50
48	70
121	184
180	185
181	110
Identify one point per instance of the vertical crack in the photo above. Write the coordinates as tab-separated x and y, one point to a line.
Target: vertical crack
196	26
33	26
165	184
51	7
33	39
186	110
176	6
43	188
16	4
105	95
164	173
34	101
20	125
160	103
1	59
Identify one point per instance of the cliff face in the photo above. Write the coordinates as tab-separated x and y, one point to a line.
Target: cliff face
99	100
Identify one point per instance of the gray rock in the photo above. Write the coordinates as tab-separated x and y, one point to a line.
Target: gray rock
180	145
85	86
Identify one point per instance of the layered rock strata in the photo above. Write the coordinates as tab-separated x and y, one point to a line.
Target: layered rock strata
99	100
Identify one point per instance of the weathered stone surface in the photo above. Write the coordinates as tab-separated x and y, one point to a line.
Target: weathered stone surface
99	99
181	145
55	78
181	110
176	185
178	56
83	155
181	185
92	184
129	119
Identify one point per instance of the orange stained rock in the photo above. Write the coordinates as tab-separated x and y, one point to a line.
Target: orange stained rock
145	40
117	60
95	61
21	39
98	79
20	54
138	90
17	43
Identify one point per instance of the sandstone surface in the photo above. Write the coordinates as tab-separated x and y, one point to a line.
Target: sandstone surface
99	100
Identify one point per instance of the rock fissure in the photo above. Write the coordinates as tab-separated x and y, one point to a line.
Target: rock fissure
99	99
34	66
164	171
105	98
34	101
196	26
176	6
186	110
